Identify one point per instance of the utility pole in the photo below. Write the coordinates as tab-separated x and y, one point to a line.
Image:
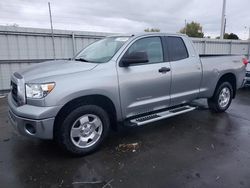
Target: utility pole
225	25
249	33
52	32
248	55
223	17
185	26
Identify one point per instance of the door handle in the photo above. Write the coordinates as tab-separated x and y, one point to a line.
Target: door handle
164	69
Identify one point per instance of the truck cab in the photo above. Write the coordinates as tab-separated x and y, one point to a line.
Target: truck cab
147	85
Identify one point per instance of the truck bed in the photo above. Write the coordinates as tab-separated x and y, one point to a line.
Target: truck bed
215	65
216	55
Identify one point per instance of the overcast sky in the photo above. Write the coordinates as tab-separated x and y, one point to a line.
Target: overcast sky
128	15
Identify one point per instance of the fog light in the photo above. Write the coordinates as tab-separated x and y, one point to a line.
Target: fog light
30	129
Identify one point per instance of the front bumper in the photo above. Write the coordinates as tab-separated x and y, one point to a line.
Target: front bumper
33	121
33	128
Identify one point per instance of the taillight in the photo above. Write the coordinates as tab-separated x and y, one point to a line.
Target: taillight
245	61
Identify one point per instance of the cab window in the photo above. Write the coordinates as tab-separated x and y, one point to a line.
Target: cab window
151	45
176	48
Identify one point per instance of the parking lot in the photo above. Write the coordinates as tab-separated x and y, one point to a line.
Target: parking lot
197	149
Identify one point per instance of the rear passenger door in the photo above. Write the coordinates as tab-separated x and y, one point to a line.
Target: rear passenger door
185	69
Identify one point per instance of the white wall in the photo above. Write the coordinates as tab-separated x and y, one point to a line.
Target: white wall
21	47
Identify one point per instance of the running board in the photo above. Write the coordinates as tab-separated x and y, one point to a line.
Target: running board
160	115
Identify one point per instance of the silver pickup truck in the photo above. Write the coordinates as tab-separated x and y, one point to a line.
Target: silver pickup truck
128	80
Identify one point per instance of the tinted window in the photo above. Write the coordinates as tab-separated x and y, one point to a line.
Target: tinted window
151	45
177	49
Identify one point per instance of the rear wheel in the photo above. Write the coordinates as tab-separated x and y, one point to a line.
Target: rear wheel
222	98
83	129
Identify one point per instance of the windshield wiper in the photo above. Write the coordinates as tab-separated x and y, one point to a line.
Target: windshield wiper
81	59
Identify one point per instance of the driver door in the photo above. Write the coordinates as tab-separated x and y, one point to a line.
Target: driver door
145	87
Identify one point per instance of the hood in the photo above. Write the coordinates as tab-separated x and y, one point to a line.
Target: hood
54	68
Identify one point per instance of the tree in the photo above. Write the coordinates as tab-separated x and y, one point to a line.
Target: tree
193	29
13	25
152	30
231	36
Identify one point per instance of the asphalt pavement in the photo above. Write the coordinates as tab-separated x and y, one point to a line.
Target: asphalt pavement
196	149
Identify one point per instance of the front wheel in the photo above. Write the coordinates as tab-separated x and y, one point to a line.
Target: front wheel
222	98
83	130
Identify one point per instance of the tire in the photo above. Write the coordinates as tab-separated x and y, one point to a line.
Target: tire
77	132
222	98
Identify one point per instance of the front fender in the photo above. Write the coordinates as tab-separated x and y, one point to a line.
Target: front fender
100	81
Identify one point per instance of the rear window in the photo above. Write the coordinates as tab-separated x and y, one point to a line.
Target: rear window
177	48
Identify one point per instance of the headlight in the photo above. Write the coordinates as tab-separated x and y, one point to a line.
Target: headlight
38	91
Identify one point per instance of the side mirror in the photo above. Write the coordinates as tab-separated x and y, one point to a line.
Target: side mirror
134	57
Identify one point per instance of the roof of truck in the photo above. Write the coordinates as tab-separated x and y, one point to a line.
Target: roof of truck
148	34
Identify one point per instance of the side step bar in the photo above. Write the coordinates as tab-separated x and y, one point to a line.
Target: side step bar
161	115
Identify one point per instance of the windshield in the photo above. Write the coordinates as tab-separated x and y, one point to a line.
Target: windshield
101	51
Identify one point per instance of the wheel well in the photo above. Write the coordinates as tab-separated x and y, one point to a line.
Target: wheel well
229	77
99	100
